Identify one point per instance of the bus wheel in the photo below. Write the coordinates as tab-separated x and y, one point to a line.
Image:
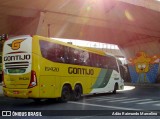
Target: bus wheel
66	93
115	88
77	92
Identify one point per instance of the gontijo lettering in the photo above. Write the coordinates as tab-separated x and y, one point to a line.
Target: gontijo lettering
17	57
84	71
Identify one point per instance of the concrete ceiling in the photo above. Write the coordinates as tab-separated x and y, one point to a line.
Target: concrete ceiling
133	25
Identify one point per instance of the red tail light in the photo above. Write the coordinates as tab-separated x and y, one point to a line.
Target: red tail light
33	81
3	84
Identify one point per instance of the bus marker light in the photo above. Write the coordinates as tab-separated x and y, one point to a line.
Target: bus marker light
16	92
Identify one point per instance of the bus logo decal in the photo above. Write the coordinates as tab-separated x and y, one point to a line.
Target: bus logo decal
82	71
15	45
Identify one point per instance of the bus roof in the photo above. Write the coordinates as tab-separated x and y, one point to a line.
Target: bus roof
92	50
88	49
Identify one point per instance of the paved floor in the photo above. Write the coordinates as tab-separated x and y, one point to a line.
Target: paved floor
139	98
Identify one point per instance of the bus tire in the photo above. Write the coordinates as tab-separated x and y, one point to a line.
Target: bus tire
115	88
66	93
77	92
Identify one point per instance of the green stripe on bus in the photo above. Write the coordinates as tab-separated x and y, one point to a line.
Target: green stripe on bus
103	78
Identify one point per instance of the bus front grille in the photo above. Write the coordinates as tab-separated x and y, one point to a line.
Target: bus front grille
16	65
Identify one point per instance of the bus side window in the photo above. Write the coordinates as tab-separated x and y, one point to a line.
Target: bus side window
72	56
84	58
43	47
59	53
113	64
50	51
77	57
66	55
94	60
103	62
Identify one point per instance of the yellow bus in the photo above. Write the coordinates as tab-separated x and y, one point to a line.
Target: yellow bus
40	68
